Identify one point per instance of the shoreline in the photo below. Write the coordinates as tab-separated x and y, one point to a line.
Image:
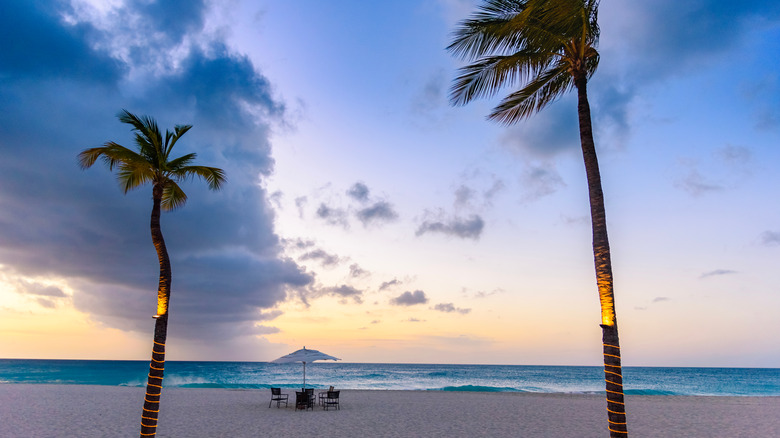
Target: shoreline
54	410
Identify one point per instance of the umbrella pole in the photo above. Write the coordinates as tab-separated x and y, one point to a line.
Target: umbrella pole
304	376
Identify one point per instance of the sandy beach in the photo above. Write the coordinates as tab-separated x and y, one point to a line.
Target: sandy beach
104	411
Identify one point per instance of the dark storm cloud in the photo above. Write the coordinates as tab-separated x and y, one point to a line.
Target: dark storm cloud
409	298
172	18
674	35
663	39
43	290
36	45
217	84
644	43
60	91
470	228
377	213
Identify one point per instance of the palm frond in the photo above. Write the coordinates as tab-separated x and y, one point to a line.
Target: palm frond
133	175
486	77
491	30
537	94
173	196
179	130
540	44
183	161
111	153
150	164
213	176
148	138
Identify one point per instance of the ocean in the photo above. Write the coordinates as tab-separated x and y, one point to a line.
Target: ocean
517	378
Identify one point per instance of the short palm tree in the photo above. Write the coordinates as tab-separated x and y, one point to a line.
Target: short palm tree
152	163
548	47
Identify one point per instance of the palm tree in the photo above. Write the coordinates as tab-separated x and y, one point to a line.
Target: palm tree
152	164
549	48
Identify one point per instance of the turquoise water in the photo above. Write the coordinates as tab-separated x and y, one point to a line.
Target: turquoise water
547	379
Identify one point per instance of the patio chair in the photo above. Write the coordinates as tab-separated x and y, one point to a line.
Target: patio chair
303	401
278	397
322	395
332	400
312	398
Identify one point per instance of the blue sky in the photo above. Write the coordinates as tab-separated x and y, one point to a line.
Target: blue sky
367	217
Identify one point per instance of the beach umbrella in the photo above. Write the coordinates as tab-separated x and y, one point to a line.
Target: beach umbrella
304	355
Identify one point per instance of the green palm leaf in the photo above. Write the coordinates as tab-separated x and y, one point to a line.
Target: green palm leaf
530	42
150	162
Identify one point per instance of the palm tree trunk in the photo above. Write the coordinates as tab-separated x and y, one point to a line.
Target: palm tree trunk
613	374
151	407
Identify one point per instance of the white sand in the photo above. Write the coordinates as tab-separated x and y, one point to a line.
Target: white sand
102	411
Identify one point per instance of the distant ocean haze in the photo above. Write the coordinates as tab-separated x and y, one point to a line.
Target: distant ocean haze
488	378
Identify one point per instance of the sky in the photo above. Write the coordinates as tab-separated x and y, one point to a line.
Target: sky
363	214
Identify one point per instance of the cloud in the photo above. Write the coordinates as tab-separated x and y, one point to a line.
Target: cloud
409	298
476	191
735	155
359	192
770	238
377	213
538	181
76	226
430	99
325	259
60	50
389	284
300	204
332	216
470	228
297	243
450	308
554	131
355	271
497	187
483	294
717	272
27	287
463	196
345	292
575	220
663	39
695	184
661	299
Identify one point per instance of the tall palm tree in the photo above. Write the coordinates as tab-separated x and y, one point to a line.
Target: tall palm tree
152	163
548	47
